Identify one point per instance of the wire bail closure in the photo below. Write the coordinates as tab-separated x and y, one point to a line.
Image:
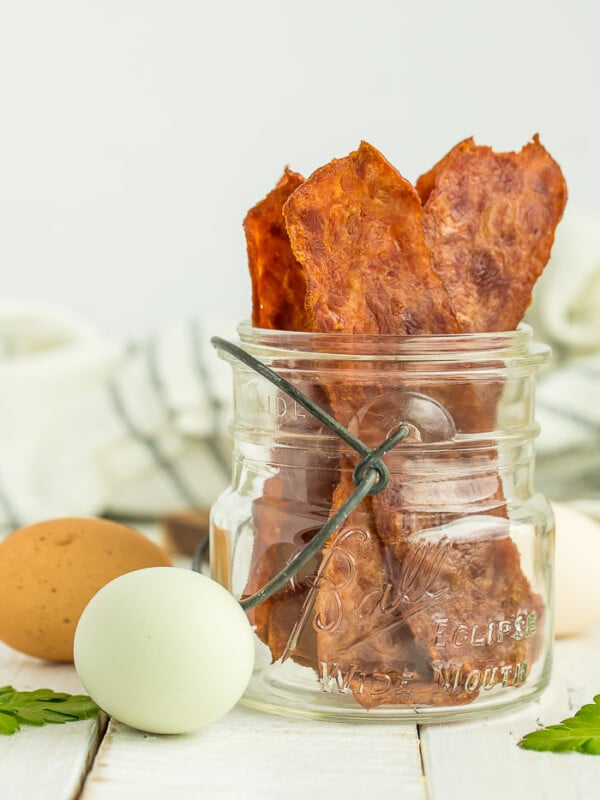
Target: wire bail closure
370	475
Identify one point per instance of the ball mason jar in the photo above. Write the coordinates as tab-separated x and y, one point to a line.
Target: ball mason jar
433	600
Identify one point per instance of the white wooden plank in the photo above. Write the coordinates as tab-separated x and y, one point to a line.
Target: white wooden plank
47	762
481	759
253	755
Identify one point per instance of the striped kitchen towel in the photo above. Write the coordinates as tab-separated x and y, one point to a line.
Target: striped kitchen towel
91	426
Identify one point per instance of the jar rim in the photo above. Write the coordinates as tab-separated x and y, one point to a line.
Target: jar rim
267	343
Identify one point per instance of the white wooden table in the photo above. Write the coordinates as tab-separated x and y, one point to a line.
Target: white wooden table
249	755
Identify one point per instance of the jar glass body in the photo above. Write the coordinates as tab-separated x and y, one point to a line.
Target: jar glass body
433	600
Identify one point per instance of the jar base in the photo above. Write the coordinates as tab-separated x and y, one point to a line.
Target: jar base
272	692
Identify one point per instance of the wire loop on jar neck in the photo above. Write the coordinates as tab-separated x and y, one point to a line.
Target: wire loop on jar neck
370	475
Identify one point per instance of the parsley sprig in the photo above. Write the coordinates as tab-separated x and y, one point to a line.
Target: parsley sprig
41	707
579	734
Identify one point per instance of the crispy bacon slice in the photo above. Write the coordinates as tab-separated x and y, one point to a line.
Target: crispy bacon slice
489	223
283	522
356	579
355	226
280	515
479	583
278	287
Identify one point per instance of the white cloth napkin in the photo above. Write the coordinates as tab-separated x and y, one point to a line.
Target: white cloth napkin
566	300
89	425
566	314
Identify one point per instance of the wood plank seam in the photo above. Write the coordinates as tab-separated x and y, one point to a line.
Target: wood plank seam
103	720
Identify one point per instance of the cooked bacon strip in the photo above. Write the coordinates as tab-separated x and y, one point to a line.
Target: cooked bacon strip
279	516
489	223
278	288
355	226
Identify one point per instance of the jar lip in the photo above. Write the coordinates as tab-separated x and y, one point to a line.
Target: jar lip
268	343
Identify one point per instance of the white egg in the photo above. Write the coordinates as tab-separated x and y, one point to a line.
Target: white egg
165	650
577	566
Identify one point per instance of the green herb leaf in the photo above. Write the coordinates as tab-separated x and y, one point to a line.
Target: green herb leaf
8	724
580	734
41	707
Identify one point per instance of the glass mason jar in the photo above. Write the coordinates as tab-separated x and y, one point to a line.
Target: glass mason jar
433	600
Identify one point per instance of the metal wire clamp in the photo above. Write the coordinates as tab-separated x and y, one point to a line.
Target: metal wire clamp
370	475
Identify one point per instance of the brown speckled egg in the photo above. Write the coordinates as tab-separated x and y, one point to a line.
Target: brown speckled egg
50	571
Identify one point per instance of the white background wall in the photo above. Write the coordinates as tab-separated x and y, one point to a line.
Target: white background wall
134	134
